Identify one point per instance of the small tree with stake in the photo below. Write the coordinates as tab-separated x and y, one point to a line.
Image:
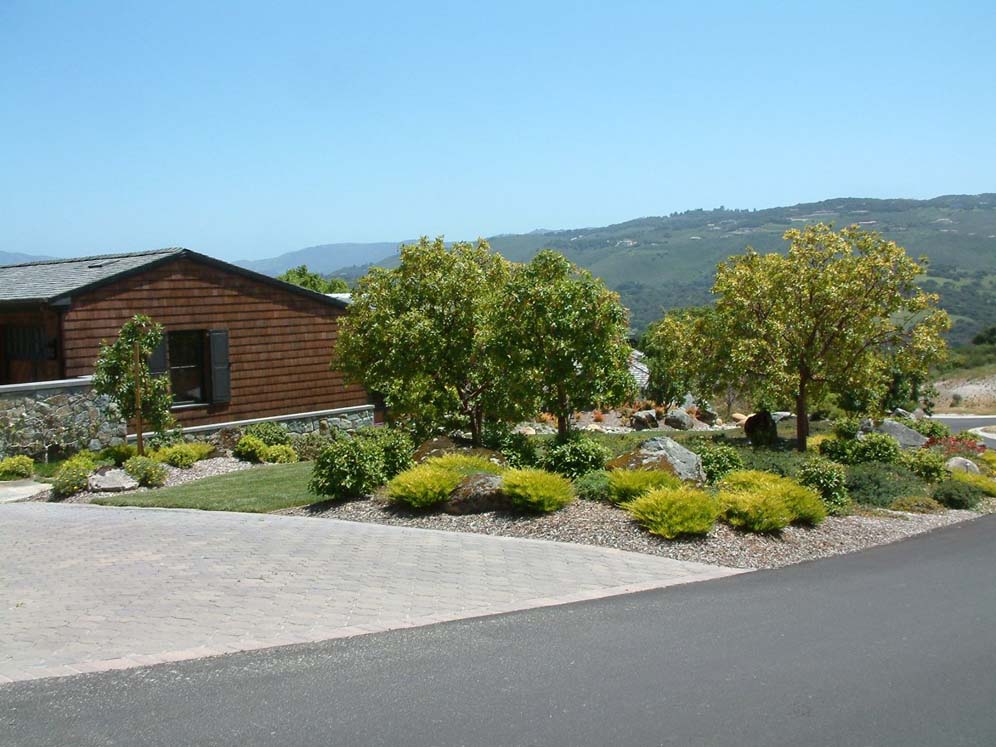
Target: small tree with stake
122	373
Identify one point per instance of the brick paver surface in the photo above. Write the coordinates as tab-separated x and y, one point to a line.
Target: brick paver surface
86	588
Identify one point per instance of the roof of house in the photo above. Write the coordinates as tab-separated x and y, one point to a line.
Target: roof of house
57	280
639	369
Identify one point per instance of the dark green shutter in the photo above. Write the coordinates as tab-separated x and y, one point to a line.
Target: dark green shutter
158	363
221	376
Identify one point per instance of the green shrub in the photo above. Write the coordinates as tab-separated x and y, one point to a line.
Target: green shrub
593	486
395	445
924	463
575	456
348	467
167	437
957	494
916	505
517	448
846	428
249	449
829	479
423	486
927	427
803	503
719	460
674	512
986	484
119	454
148	472
875	484
309	445
627	484
279	454
183	455
16	467
465	464
840	450
537	490
754	512
877	447
778	462
270	433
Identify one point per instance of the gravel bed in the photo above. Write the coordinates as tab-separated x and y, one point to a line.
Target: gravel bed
174	476
593	523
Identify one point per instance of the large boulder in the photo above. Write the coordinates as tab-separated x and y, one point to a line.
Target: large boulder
665	454
107	480
679	420
961	464
476	494
643	420
761	429
739	418
906	436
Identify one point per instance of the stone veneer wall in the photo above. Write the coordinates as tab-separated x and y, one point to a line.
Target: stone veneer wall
56	416
65	416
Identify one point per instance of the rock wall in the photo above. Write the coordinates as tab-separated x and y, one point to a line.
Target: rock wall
52	417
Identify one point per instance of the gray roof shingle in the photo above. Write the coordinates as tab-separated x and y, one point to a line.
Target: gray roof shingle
48	280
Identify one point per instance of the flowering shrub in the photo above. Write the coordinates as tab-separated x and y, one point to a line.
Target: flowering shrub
961	444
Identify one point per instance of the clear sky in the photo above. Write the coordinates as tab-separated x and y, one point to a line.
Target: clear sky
248	129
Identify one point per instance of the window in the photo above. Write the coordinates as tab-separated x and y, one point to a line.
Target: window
186	367
196	362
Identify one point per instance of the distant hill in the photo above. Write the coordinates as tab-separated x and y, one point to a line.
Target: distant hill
16	258
325	258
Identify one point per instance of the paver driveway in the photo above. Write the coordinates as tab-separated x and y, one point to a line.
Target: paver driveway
87	588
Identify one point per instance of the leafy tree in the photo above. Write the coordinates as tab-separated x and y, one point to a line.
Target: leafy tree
313	281
564	336
421	335
687	352
125	362
840	312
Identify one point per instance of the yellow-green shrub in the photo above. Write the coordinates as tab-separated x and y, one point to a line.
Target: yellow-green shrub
423	486
147	472
465	464
674	511
183	455
986	484
74	473
16	467
249	449
627	484
755	512
279	454
804	504
537	489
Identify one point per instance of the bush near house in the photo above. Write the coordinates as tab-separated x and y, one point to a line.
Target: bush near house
279	454
119	454
149	473
270	433
183	455
348	468
395	445
250	449
73	474
16	467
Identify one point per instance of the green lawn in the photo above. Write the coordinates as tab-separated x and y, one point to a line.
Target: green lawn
257	490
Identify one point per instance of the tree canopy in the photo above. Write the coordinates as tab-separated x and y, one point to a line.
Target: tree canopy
304	277
840	312
422	336
564	338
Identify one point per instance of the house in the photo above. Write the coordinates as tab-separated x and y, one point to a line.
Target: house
239	346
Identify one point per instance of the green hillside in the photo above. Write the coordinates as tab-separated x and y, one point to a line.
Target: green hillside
660	263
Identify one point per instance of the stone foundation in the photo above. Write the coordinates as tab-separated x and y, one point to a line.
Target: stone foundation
50	417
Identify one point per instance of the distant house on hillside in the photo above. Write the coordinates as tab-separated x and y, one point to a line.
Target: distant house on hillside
239	345
639	371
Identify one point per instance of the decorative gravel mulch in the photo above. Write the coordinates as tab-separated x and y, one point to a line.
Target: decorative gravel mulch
593	523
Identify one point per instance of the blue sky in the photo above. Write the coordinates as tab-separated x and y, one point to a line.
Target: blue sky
248	129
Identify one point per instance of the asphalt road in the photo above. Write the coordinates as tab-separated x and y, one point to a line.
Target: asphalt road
967	423
894	645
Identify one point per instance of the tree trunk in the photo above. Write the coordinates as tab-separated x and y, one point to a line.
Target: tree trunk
563	413
801	416
476	426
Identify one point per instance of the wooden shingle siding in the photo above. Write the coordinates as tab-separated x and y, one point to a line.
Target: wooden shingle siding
279	343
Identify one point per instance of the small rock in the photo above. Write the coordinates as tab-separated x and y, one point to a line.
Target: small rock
707	416
526	430
780	415
679	420
961	464
899	412
739	418
108	480
595	428
643	419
